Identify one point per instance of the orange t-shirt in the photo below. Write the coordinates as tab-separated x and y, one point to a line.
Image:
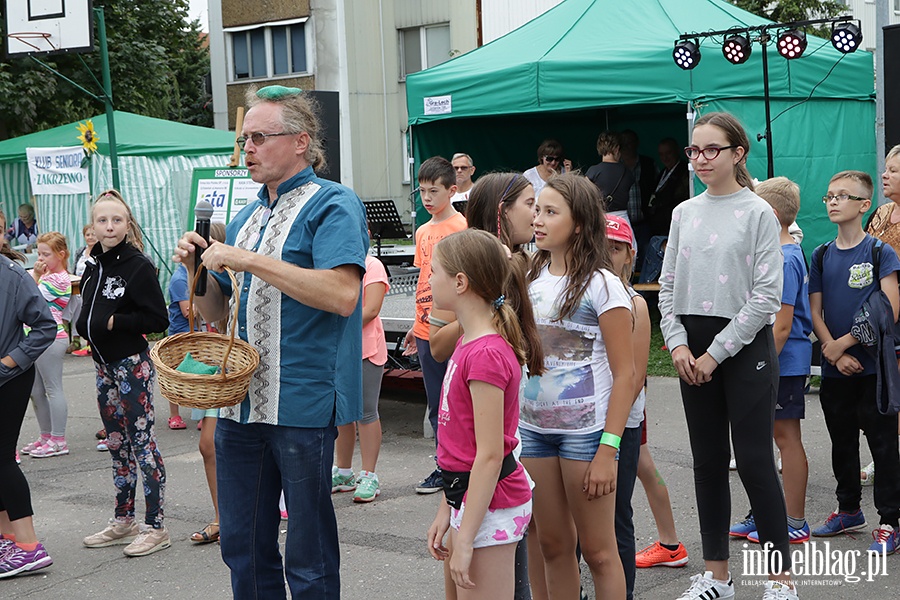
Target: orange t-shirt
427	236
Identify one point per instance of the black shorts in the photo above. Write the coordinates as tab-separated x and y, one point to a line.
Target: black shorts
791	401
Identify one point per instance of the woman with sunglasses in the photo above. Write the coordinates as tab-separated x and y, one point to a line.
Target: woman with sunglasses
721	281
550	164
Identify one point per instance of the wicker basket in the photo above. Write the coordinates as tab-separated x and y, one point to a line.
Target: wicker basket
237	358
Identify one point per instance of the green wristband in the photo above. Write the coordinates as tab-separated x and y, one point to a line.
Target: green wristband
610	439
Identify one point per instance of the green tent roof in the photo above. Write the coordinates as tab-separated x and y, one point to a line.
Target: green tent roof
136	135
595	53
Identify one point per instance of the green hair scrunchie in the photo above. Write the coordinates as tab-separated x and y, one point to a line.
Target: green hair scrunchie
277	92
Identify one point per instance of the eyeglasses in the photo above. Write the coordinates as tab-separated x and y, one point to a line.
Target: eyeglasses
258	138
840	198
551	158
709	153
461	168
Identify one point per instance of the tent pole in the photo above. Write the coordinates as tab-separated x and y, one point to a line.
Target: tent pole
107	96
764	40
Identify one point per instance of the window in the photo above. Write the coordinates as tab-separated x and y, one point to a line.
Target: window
268	50
897	6
423	47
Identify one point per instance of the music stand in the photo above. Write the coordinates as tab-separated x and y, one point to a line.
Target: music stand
384	222
460	206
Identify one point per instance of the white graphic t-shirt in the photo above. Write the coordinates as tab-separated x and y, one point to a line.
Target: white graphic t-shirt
572	396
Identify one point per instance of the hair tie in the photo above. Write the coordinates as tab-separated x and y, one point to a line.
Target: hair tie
499	302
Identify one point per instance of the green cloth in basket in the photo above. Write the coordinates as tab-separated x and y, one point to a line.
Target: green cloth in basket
192	365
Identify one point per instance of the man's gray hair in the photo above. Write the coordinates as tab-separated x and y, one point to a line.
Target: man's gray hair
463	155
300	112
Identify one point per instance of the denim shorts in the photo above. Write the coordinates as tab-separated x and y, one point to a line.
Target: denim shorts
571	446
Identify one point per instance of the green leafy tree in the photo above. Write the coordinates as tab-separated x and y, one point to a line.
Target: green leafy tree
158	64
785	11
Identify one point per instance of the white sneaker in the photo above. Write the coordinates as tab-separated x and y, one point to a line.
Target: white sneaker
732	465
704	587
867	475
775	590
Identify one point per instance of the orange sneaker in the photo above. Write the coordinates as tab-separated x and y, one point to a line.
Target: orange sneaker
655	555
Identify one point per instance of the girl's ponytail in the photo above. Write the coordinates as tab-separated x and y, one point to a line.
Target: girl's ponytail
742	175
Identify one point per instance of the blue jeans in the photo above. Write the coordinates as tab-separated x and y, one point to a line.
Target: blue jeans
254	463
433	376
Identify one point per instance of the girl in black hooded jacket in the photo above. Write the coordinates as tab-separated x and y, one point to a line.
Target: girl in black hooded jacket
122	302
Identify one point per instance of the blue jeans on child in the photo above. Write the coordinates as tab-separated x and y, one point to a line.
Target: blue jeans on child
255	462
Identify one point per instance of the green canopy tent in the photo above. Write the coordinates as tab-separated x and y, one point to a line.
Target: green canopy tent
589	65
156	161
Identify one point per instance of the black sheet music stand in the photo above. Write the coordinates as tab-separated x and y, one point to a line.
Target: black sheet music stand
460	206
384	221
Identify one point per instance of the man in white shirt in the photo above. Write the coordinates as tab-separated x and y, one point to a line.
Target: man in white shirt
462	164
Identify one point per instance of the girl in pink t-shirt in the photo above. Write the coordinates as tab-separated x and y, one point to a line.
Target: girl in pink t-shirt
488	494
374	356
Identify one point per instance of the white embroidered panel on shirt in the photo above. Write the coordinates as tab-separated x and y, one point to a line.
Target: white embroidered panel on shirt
263	307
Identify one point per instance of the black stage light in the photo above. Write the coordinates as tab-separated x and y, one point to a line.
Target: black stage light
846	37
686	54
791	43
736	49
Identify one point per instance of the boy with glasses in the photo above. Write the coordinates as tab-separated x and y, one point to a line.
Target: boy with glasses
844	274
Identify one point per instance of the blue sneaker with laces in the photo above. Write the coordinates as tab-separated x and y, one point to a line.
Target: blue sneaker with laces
795	535
744	528
841	522
887	540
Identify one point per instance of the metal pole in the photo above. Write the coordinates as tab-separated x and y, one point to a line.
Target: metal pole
881	19
763	40
107	96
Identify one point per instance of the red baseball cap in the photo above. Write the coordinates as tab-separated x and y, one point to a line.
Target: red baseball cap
618	229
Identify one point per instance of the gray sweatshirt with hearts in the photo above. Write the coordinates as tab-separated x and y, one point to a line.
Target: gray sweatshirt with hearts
723	259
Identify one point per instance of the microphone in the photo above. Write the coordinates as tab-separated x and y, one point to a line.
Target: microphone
203	212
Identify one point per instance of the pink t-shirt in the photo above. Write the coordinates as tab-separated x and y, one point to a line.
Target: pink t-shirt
491	360
374	346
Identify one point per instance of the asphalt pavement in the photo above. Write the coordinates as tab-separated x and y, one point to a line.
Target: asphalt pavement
383	543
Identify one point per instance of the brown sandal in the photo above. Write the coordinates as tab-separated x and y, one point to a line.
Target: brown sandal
206	535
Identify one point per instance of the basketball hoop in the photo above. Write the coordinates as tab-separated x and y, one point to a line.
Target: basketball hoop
24	36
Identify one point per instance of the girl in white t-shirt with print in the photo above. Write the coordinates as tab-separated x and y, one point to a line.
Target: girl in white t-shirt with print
573	416
488	496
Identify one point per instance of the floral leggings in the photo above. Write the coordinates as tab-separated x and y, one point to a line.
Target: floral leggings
125	397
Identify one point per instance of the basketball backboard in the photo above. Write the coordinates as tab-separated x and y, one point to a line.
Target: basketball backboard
35	27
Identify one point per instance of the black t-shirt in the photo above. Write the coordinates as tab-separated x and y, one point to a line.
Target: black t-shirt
612	179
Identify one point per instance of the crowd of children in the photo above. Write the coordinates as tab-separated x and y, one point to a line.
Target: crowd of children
535	371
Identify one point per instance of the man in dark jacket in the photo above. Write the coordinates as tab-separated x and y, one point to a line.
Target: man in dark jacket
671	187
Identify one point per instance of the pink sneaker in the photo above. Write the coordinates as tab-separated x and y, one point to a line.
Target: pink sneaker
28	448
50	448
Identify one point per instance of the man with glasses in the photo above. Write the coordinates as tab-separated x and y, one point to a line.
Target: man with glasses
298	253
462	164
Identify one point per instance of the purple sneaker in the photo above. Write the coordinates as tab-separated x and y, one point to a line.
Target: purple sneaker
15	560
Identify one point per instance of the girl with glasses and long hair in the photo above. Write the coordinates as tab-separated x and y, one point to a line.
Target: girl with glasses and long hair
721	282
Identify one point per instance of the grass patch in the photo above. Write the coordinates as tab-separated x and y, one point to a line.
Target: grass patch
660	361
394	242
